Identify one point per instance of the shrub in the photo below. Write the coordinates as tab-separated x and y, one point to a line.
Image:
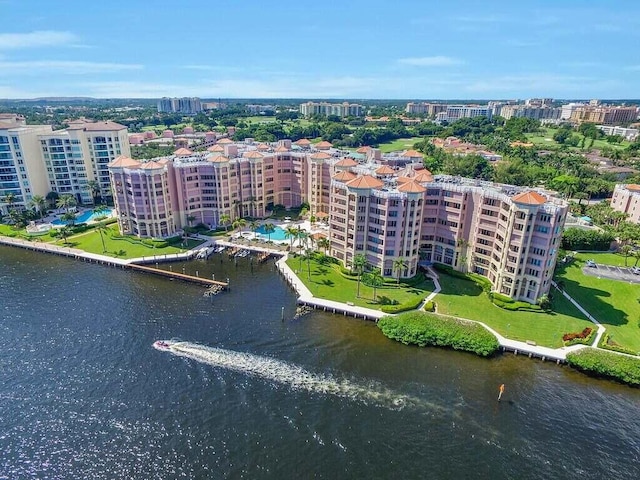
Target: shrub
430	306
606	364
578	239
482	282
403	307
512	305
584	337
608	344
422	329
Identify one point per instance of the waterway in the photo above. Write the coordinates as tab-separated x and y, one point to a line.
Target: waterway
84	395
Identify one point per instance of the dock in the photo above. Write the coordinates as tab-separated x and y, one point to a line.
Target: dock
178	276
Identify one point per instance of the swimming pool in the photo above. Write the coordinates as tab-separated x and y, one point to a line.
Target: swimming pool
277	235
86	216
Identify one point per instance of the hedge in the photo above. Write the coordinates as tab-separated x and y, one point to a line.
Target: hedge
585	337
510	304
403	307
606	364
430	306
422	329
479	280
604	343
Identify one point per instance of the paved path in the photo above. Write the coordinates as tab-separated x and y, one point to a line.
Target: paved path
601	328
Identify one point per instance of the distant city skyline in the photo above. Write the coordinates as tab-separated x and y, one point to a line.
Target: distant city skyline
361	49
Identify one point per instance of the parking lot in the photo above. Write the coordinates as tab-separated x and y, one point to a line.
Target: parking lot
623	274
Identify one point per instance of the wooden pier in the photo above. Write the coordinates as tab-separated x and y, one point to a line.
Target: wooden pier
178	276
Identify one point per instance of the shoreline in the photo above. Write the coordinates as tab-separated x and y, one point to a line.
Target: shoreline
305	297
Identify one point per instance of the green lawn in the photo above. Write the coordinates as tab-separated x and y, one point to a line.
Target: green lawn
327	282
544	139
616	304
399	144
608	259
90	242
464	298
9	231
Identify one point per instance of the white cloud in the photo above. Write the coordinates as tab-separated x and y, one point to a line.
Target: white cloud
71	67
41	38
436	61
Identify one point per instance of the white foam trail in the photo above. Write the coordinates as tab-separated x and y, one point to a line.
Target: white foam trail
293	376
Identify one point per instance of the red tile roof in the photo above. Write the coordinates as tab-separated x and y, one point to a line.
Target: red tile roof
216	148
347	162
363	149
385	170
324	145
225	141
182	152
344	176
219	159
124	162
303	142
529	198
634	187
423	176
253	154
412	154
365	182
152	165
320	156
411	187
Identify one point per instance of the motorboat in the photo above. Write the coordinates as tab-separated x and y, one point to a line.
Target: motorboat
162	345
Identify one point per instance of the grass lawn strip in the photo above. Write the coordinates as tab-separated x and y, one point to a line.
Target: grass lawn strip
327	282
614	303
119	248
463	298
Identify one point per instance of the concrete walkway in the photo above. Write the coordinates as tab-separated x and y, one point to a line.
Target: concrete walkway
601	328
305	296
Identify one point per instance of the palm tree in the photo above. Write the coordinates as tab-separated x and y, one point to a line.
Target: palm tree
254	226
102	228
625	251
65	232
225	219
359	264
66	201
38	202
190	218
636	254
307	256
52	198
269	228
100	211
69	217
94	187
376	280
9	199
291	233
239	224
399	264
324	243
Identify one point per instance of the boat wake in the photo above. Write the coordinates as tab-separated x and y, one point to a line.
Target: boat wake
293	376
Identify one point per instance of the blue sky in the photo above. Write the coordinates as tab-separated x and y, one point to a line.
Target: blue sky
320	49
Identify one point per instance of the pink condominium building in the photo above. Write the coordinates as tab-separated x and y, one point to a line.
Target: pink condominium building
626	199
386	207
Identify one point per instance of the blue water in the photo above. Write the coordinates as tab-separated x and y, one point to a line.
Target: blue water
278	234
84	395
86	216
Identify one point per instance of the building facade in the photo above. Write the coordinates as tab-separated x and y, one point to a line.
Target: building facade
22	172
79	154
626	199
379	207
344	109
186	105
456	112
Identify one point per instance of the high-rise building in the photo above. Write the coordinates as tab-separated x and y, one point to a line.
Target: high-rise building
425	108
344	109
456	112
22	173
79	154
509	234
186	105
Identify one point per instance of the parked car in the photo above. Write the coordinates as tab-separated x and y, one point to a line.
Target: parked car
591	263
635	270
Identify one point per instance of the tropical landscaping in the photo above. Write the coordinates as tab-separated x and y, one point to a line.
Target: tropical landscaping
614	303
464	298
325	278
